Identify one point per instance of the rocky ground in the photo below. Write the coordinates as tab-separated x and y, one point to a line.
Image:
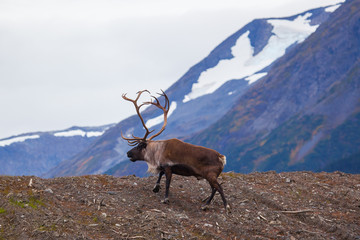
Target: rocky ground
296	205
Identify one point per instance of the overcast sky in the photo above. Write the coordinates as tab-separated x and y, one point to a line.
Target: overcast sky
67	62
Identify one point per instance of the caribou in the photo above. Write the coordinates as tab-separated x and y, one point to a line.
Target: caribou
173	156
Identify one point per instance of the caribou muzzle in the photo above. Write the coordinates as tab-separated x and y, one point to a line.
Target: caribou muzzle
131	156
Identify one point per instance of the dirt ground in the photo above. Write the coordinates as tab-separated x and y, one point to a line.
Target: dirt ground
295	205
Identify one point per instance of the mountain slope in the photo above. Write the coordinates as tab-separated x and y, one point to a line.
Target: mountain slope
205	93
305	113
37	153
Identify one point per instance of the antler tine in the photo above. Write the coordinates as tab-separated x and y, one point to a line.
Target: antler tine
139	93
124	97
165	109
167	102
166	106
137	97
132	141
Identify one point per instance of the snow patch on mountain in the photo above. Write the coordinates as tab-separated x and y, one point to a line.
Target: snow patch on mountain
332	8
78	132
159	119
253	78
10	141
244	64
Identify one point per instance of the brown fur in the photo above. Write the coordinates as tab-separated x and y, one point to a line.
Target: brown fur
175	151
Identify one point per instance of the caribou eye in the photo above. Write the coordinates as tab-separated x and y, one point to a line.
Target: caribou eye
142	145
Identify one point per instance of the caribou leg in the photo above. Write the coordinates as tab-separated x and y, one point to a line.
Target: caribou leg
213	191
220	190
157	185
168	175
215	186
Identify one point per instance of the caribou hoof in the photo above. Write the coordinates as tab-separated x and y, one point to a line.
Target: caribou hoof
228	209
165	201
156	188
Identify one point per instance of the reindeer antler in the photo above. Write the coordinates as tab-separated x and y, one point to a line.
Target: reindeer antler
165	109
135	140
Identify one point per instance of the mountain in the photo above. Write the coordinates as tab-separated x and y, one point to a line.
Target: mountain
37	153
205	95
305	114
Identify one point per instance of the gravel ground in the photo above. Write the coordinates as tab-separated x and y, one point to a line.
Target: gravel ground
292	205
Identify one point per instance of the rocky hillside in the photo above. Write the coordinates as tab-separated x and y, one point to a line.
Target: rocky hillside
297	205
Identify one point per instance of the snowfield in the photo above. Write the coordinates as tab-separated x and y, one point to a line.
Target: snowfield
10	141
78	132
246	65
